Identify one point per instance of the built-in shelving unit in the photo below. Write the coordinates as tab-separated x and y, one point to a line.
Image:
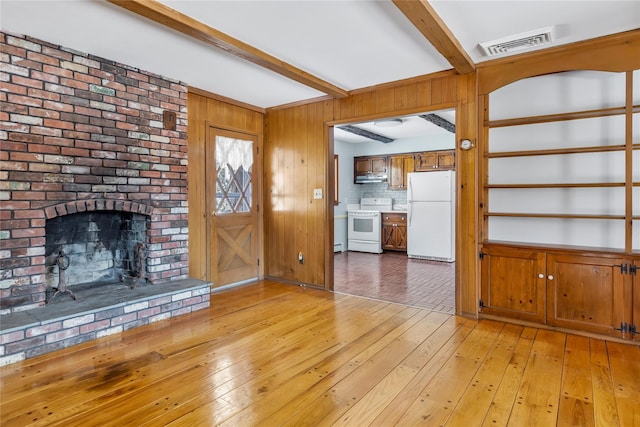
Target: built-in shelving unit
560	202
557	170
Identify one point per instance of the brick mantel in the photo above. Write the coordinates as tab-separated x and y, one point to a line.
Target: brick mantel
79	132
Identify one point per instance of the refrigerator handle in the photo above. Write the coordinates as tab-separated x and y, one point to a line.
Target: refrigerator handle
410	201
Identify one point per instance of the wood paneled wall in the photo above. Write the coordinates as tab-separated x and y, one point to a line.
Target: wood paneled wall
208	110
295	163
297	149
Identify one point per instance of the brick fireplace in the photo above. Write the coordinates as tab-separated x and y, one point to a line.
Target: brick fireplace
80	133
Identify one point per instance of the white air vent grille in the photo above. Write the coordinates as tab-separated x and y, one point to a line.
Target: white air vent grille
516	42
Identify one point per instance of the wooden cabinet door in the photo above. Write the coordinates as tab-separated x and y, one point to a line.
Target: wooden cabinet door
446	160
362	165
636	300
388	237
394	231
587	293
513	283
378	165
399	167
426	162
396	173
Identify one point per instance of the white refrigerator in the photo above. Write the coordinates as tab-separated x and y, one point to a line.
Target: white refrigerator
431	215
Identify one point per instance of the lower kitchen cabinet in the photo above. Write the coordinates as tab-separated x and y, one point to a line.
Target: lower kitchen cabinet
587	293
592	292
636	299
394	231
513	283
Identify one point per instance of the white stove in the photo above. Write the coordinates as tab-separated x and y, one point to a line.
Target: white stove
364	225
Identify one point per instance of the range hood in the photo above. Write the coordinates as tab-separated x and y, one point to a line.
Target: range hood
370	179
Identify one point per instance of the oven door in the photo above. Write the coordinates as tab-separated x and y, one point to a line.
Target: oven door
364	231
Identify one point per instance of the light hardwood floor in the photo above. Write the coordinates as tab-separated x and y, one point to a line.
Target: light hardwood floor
274	354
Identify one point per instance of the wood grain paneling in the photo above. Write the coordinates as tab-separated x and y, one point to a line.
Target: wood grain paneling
296	162
203	113
294	222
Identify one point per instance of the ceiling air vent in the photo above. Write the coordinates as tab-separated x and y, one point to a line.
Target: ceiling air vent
516	42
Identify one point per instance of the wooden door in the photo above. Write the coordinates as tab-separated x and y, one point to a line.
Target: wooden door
587	293
232	193
513	283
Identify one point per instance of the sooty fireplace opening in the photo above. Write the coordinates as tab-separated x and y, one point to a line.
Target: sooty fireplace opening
93	249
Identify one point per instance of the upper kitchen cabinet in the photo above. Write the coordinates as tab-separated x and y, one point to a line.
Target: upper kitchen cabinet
435	160
400	165
370	169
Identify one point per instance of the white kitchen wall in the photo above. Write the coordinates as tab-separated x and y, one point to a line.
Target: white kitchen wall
347	192
445	141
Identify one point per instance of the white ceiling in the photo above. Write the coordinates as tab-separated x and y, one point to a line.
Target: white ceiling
411	127
351	44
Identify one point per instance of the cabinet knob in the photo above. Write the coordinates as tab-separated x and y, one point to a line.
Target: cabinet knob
550	277
540	276
402	219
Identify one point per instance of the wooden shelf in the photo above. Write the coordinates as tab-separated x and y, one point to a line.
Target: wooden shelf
576	115
584	250
554	185
541	215
557	151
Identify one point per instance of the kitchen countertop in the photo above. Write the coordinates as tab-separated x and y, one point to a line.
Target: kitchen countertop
395	211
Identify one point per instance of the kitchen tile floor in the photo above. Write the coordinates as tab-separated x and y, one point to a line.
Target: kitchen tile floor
394	277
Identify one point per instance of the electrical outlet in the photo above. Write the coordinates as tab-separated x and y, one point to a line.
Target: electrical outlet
300	258
317	193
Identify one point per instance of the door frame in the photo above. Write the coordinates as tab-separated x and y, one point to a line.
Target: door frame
328	132
257	179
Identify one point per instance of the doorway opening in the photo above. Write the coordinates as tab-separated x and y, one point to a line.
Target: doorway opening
404	145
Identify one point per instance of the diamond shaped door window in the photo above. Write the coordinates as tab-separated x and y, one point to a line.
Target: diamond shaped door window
234	159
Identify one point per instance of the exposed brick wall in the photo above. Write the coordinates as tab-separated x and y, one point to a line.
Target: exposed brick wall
76	127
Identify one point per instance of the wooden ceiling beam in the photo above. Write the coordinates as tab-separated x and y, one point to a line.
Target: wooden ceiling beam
164	15
366	134
427	21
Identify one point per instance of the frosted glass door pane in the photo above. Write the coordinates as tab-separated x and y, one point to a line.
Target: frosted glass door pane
558	93
559	231
558	169
234	159
636	236
600	131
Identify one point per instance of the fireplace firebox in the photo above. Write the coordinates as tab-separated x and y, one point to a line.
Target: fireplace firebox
93	249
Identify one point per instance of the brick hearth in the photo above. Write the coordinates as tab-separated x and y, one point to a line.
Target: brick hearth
110	310
79	132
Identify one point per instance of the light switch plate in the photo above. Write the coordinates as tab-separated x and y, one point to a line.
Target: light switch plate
317	193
